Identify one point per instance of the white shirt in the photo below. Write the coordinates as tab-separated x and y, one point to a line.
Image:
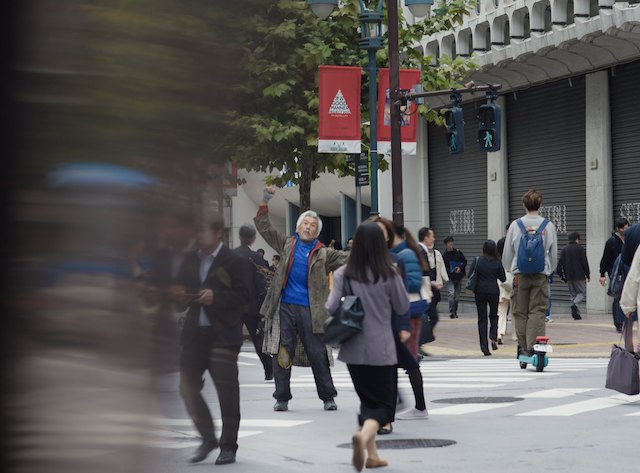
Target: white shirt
205	265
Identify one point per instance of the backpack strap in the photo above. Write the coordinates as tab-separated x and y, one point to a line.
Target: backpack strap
543	225
540	228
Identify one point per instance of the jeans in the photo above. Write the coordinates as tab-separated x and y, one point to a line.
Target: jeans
454	288
295	321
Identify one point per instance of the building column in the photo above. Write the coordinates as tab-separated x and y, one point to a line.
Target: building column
498	182
423	158
598	182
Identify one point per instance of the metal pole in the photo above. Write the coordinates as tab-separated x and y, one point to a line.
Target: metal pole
356	161
394	88
372	69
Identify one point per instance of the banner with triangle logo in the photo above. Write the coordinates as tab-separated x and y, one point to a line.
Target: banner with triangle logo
339	109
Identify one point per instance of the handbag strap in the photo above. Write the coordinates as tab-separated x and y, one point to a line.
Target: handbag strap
627	334
346	282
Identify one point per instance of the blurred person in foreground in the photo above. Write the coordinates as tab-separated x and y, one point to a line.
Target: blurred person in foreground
370	355
256	269
214	286
166	267
294	306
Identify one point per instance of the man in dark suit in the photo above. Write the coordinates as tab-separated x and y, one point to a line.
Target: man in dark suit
213	282
256	272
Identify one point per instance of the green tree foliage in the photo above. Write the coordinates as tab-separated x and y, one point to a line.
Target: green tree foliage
274	126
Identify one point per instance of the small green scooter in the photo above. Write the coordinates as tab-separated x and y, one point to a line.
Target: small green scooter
539	358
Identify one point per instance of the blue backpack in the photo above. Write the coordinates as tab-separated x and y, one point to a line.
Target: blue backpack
531	249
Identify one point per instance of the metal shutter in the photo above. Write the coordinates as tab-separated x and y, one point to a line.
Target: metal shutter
546	133
625	138
458	189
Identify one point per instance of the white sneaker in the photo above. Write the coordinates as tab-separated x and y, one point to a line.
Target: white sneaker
413	413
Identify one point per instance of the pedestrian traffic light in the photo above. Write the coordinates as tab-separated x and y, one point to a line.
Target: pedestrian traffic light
455	129
489	127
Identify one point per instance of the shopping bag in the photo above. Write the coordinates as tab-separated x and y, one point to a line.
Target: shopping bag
622	372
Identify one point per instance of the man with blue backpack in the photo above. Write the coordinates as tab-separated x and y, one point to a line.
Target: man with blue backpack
530	254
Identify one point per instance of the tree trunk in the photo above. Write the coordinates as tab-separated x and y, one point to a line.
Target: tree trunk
307	171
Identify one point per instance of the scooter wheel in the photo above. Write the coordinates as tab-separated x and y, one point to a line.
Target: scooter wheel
523	365
540	362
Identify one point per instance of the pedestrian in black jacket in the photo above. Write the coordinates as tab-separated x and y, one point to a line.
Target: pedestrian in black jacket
631	244
488	270
612	249
256	268
573	268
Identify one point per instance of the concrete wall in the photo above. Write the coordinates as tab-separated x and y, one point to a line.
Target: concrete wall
599	182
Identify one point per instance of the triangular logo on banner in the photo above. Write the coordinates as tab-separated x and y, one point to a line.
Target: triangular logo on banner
339	105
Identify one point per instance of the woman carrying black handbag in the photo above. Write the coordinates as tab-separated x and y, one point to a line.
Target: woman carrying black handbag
371	355
489	270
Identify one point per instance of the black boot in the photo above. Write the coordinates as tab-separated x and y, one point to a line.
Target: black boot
203	451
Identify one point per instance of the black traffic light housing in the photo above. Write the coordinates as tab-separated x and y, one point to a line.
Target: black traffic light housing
489	124
454	118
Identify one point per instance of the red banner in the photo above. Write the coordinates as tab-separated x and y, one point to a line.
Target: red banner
339	109
408	78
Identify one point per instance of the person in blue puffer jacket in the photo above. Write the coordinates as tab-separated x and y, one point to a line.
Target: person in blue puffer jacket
403	245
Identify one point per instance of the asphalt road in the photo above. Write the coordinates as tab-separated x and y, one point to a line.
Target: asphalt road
562	419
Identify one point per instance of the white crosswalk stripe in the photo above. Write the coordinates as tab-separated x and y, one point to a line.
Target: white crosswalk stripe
180	433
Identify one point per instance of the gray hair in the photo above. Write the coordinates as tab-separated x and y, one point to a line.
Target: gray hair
312	214
247	234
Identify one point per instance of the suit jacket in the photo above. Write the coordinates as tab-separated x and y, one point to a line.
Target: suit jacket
254	280
226	278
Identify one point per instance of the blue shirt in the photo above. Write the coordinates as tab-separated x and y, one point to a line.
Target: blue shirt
297	290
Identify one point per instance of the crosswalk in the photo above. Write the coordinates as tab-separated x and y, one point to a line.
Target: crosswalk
180	433
488	377
547	394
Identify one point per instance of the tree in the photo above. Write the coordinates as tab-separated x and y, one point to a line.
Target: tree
275	125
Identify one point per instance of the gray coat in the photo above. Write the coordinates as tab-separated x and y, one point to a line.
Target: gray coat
375	345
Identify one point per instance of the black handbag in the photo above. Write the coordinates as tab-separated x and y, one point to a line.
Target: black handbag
346	321
472	280
622	371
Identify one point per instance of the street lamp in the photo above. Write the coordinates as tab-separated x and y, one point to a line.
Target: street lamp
322	8
419	8
371	41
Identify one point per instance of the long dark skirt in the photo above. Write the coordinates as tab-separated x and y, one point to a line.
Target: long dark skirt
377	389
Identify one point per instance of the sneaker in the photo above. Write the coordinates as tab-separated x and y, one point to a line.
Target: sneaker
452	316
330	405
413	413
548	319
281	406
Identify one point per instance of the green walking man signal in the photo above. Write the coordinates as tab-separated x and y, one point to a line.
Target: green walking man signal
455	129
489	127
